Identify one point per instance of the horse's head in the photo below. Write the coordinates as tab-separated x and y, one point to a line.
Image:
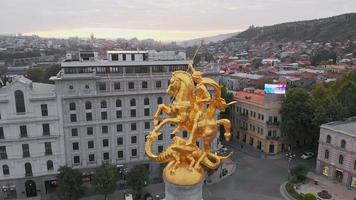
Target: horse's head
181	81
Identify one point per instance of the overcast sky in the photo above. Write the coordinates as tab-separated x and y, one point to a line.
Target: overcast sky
158	19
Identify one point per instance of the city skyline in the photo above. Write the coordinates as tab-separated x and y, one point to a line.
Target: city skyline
183	20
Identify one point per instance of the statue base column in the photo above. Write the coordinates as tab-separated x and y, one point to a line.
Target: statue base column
177	192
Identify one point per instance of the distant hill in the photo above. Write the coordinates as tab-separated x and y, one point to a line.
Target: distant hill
215	38
337	28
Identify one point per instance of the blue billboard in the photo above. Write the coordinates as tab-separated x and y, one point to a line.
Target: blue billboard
275	89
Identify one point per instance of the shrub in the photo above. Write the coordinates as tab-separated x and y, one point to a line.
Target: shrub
291	191
324	194
309	196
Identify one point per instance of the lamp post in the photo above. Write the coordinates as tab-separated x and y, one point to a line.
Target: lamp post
290	156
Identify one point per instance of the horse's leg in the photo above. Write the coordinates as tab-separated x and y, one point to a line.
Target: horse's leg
165	121
161	107
227	126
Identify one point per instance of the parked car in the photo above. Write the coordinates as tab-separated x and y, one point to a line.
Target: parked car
128	196
307	155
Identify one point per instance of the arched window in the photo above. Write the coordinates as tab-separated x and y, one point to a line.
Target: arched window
133	102
28	169
72	106
341	159
326	154
343	144
159	100
49	165
118	103
103	104
88	105
146	101
328	139
5	170
20	101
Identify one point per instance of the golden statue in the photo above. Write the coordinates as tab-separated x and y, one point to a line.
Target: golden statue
193	110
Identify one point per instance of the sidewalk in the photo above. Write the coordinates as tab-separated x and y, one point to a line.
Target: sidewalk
228	165
251	151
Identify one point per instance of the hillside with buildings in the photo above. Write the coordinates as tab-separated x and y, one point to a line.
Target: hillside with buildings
336	28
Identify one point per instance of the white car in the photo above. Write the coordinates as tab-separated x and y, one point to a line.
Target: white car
307	155
128	196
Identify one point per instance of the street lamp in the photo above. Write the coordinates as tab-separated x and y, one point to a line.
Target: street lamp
290	156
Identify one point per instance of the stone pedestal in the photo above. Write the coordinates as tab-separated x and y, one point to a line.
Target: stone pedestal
176	192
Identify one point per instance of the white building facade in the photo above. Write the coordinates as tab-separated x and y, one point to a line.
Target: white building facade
337	152
107	107
31	140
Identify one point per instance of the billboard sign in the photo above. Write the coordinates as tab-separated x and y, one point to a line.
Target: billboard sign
275	89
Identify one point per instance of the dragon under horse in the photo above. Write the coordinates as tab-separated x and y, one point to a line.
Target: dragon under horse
185	159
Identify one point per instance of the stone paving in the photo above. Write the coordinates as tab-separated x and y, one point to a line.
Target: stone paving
338	192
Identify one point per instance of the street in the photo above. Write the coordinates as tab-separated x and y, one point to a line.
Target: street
254	178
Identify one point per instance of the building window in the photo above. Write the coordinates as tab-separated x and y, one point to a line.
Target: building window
103	104
328	139
131	85
102	86
146	101
120	141
133	139
133	112
90	144
74	132
326	156
28	169
75	146
133	126
160	149
2	133
158	84
48	148
90	131
72	106
118	103
86	86
104	115
119	128
49	165
262	117
160	137
73	118
159	100
91	157
147	112
106	155
3	154
144	84
44	110
89	116
147	125
25	151
343	144
71	87
105	142
46	130
104	129
76	159
120	154
20	101
88	105
132	57
341	159
23	131
355	165
133	102
5	170
117	85
133	152
118	114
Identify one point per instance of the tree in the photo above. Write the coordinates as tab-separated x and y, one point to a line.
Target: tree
299	173
70	183
309	196
51	71
35	74
138	177
229	97
105	179
297	114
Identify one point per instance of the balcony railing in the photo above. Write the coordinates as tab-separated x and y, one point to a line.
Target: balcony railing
273	138
273	123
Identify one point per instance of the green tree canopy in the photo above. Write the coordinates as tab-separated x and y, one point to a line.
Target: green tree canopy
105	179
40	75
138	177
70	183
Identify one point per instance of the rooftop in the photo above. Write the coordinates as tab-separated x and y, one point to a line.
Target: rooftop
347	126
246	75
106	63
